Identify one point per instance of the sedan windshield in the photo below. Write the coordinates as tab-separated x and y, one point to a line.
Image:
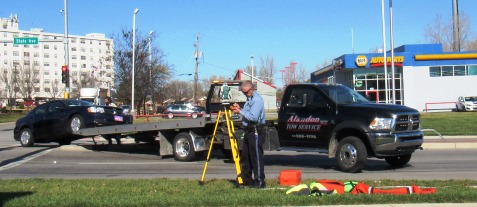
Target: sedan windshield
471	98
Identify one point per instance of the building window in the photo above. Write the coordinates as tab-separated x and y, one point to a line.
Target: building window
26	54
82	41
46	73
90	49
26	62
5	52
36	73
435	71
16	62
36	54
74	57
83	57
47	90
99	50
46	55
46	64
74	65
73	49
36	46
459	70
26	46
37	90
5	62
472	70
16	53
83	65
83	49
46	46
36	63
56	55
73	40
55	47
74	73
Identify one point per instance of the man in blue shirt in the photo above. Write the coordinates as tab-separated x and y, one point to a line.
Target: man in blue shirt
253	116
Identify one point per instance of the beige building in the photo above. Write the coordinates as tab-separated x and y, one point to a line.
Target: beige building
35	69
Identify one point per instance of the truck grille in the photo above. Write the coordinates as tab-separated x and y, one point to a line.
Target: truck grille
407	122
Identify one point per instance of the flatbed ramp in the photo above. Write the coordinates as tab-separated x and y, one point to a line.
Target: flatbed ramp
144	127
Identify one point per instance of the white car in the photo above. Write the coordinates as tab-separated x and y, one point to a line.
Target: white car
466	103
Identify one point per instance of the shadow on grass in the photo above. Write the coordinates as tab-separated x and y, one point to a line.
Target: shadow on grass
6	196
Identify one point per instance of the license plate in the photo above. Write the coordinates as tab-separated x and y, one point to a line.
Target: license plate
118	118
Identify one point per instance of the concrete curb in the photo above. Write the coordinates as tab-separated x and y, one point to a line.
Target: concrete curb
450	142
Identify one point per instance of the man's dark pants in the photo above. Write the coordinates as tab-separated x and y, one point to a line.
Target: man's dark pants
252	159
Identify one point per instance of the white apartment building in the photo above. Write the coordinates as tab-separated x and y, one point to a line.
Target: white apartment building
90	61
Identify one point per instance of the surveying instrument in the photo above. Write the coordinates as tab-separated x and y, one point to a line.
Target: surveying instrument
225	114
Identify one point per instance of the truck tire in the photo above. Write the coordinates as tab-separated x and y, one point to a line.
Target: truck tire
183	147
351	154
398	161
170	115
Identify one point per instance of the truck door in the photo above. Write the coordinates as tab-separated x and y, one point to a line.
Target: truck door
305	118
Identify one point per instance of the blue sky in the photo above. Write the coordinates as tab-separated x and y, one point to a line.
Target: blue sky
306	31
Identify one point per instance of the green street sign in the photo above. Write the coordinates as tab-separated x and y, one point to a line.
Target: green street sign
25	40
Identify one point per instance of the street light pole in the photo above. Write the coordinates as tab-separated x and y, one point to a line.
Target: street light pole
133	59
251	59
150	66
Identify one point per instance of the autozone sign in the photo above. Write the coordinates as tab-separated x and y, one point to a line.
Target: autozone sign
361	61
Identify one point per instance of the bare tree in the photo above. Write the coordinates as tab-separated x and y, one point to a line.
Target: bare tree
151	70
28	79
302	76
9	77
267	69
179	90
55	89
440	31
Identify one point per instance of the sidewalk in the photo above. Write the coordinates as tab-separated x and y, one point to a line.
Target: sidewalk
450	142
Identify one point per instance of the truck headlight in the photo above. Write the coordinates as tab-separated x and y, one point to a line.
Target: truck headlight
96	109
381	123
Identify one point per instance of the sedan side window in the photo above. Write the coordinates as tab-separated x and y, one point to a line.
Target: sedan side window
55	106
40	110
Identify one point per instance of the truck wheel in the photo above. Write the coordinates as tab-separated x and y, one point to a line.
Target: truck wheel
194	115
351	154
26	138
170	115
398	161
183	147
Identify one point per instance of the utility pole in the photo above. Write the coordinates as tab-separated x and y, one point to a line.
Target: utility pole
196	78
67	58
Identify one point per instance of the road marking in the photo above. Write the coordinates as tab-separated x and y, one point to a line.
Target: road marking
23	160
134	163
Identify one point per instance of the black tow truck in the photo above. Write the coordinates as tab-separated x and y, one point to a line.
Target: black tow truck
325	118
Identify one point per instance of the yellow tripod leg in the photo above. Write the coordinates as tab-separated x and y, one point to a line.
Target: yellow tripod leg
234	146
201	182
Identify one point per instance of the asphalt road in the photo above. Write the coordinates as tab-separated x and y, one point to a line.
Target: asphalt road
82	159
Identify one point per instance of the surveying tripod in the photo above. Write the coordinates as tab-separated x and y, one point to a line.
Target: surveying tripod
227	113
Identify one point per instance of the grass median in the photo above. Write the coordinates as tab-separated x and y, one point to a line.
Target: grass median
164	192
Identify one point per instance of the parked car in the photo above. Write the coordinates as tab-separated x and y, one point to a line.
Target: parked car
55	121
466	103
126	109
184	110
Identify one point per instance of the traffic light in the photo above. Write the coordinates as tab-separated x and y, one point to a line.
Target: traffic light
64	74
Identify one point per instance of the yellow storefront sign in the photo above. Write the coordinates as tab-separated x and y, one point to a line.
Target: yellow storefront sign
361	60
380	60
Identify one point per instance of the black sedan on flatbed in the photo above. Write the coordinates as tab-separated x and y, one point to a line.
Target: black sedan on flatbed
55	121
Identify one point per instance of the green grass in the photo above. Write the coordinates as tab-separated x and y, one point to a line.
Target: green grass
450	123
7	117
164	192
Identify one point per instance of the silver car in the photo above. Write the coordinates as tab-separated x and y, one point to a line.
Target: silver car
466	103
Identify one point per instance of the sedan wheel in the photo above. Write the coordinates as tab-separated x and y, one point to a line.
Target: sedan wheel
75	123
26	138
